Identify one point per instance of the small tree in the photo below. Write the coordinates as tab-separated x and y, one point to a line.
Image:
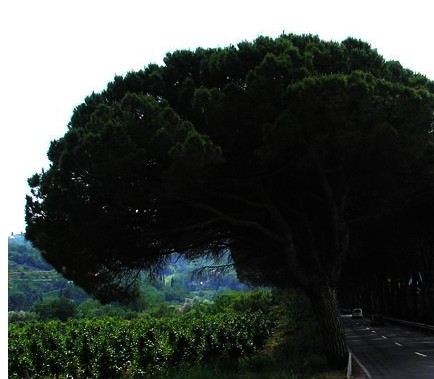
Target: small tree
60	308
267	150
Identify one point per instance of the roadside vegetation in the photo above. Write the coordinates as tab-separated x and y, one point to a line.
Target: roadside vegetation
255	334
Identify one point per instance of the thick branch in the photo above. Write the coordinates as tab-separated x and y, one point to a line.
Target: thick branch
240	222
193	227
238	199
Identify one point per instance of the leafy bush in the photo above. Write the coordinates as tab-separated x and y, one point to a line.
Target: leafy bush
22	316
60	308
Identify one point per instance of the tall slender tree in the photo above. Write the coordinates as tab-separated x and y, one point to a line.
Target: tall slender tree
267	149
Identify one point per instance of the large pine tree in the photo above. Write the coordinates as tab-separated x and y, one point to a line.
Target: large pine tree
267	150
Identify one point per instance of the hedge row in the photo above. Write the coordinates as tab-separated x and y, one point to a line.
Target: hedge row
119	348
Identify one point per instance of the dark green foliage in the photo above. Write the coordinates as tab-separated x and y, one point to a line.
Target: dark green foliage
253	148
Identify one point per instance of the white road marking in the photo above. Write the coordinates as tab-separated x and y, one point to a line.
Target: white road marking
384	337
397	344
373	331
422	355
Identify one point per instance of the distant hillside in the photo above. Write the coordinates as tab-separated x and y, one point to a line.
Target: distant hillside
22	254
31	278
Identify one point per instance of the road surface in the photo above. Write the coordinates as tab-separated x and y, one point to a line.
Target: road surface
391	351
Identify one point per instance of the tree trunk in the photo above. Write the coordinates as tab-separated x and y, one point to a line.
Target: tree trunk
325	306
415	301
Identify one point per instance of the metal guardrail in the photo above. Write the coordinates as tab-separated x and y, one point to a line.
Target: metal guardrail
363	369
410	323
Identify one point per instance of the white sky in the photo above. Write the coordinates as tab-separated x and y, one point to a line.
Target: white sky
55	53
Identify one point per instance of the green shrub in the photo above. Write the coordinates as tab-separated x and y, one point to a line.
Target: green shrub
60	308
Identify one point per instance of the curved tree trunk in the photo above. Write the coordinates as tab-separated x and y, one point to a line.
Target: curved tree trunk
325	306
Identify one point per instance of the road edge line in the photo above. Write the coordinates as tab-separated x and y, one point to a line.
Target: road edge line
360	365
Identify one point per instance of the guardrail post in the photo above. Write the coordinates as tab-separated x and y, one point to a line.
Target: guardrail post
349	366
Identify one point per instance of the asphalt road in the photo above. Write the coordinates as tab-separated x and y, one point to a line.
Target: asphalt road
391	351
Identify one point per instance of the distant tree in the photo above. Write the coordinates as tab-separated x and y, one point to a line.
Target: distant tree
90	308
60	308
17	300
268	150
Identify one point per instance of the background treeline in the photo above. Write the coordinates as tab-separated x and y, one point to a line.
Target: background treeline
392	269
34	286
